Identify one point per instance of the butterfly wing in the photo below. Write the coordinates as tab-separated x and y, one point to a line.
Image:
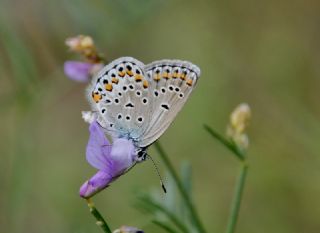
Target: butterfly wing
119	95
171	83
138	101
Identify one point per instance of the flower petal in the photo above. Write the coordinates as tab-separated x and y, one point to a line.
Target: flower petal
99	181
122	156
78	71
98	148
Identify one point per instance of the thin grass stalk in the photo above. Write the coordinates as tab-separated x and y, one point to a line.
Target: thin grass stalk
169	214
235	207
164	226
181	189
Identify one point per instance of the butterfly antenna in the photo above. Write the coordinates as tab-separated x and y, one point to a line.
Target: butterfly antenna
161	181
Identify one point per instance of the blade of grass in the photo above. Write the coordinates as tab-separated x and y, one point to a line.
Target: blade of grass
235	208
181	189
225	142
169	214
164	226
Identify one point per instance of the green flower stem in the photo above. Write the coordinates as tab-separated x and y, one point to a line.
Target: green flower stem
181	189
237	199
100	221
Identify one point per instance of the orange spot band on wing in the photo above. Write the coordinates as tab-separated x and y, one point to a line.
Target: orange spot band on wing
115	80
145	84
138	78
108	87
130	73
189	82
156	77
183	76
166	75
96	97
122	74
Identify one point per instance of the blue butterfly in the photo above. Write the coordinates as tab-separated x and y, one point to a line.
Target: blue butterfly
134	104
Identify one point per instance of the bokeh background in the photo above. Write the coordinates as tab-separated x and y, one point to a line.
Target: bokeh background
265	53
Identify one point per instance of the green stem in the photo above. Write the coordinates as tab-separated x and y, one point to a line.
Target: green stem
181	189
100	220
237	199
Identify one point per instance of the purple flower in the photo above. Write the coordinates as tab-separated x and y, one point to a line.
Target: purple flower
111	160
78	71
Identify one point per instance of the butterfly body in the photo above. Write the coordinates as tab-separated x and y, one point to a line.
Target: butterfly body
135	103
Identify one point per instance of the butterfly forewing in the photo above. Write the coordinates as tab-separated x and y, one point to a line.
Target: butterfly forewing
140	101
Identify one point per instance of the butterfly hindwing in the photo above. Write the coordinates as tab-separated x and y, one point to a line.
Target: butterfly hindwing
172	81
119	94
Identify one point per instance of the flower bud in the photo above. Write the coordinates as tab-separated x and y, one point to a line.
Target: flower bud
80	43
240	117
86	47
239	120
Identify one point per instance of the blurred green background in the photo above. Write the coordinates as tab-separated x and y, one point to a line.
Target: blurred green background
265	53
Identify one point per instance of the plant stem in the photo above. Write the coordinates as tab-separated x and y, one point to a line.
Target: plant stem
181	189
237	199
100	220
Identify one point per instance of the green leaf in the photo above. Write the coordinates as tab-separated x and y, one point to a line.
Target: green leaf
230	145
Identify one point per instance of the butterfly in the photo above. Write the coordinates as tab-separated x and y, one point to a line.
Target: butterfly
134	104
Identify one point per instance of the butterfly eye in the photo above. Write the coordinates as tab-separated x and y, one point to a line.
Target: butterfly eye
141	153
